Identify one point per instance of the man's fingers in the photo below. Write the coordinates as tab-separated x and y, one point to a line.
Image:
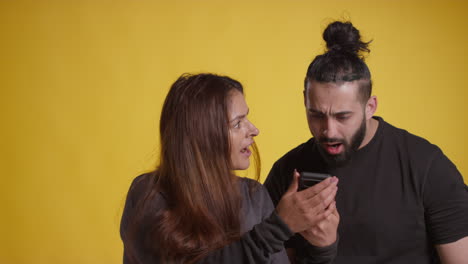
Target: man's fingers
329	199
324	213
329	211
294	183
333	210
323	200
336	214
332	207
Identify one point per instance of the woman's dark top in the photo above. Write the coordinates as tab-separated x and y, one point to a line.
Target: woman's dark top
263	230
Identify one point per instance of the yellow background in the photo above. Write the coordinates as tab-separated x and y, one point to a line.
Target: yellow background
82	83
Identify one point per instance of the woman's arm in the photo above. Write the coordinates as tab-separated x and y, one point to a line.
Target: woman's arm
255	246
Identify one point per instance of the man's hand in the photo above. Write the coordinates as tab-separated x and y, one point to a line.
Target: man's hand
325	232
305	209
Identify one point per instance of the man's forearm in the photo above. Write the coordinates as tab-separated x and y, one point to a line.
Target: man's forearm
455	252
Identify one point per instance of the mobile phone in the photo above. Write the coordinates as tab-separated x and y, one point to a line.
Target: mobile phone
309	179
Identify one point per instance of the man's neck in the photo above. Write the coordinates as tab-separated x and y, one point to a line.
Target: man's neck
372	126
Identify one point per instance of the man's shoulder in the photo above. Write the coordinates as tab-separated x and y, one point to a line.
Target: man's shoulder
409	141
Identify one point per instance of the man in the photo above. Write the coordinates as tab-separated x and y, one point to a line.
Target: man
400	199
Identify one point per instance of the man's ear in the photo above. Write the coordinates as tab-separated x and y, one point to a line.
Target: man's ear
371	107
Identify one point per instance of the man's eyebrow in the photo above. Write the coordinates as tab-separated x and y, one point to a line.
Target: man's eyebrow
333	114
342	113
315	111
239	116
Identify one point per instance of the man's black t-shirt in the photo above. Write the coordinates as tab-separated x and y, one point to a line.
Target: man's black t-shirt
398	197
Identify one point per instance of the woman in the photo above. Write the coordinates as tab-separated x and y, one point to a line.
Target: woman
193	208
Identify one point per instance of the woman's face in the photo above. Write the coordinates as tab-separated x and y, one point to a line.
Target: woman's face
241	131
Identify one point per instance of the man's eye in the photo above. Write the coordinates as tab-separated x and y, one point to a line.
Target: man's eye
342	118
237	125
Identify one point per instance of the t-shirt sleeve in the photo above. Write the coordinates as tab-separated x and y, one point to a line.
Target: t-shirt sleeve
445	201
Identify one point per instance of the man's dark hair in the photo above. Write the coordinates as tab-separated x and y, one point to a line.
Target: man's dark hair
343	61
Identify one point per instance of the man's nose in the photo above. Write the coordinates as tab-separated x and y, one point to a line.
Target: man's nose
329	128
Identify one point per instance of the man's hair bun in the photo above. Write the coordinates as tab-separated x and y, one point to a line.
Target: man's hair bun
344	37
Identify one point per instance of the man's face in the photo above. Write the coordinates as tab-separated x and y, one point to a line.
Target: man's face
336	118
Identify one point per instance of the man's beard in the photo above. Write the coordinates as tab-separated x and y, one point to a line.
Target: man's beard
349	148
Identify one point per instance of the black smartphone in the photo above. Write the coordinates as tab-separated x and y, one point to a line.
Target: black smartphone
309	179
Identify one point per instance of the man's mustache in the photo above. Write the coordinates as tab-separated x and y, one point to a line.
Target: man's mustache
331	140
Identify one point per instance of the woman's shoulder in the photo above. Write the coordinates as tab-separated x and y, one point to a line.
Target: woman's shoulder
256	203
254	190
249	182
142	188
250	186
141	183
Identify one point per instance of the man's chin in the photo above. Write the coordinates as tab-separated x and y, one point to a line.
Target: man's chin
338	160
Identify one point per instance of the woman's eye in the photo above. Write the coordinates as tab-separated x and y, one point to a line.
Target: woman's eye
237	125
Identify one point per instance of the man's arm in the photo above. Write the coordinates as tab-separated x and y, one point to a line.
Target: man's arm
446	209
455	252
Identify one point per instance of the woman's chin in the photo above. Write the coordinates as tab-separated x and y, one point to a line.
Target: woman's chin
243	166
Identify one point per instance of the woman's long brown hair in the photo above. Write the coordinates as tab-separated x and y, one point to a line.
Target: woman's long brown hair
194	176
